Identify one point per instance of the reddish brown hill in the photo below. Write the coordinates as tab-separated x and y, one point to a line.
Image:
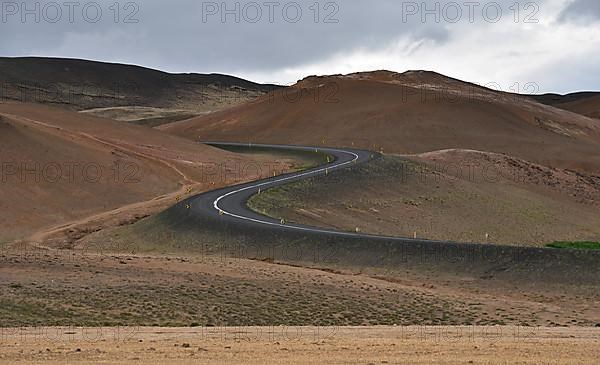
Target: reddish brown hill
589	106
412	112
585	103
59	166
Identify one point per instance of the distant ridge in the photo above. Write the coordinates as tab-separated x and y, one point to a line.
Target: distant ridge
586	102
82	85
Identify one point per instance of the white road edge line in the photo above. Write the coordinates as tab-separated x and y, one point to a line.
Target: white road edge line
327	167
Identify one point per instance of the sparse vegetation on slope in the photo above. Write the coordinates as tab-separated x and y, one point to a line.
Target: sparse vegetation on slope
463	196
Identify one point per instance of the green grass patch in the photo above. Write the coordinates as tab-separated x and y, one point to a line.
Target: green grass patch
575	245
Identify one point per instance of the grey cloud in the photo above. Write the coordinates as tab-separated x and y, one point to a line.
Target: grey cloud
173	35
585	11
178	35
581	74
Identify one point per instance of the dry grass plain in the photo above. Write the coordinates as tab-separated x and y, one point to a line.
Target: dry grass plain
75	288
302	345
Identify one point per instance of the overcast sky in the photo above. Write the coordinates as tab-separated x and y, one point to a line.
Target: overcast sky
509	44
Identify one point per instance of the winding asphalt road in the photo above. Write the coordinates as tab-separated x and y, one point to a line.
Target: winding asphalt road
230	203
255	235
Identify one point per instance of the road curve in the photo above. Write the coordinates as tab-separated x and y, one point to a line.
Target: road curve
230	204
234	230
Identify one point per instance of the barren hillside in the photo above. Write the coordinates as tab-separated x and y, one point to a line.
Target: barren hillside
59	166
412	112
588	106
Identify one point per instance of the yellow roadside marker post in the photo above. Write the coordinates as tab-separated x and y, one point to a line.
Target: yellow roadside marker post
415	235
